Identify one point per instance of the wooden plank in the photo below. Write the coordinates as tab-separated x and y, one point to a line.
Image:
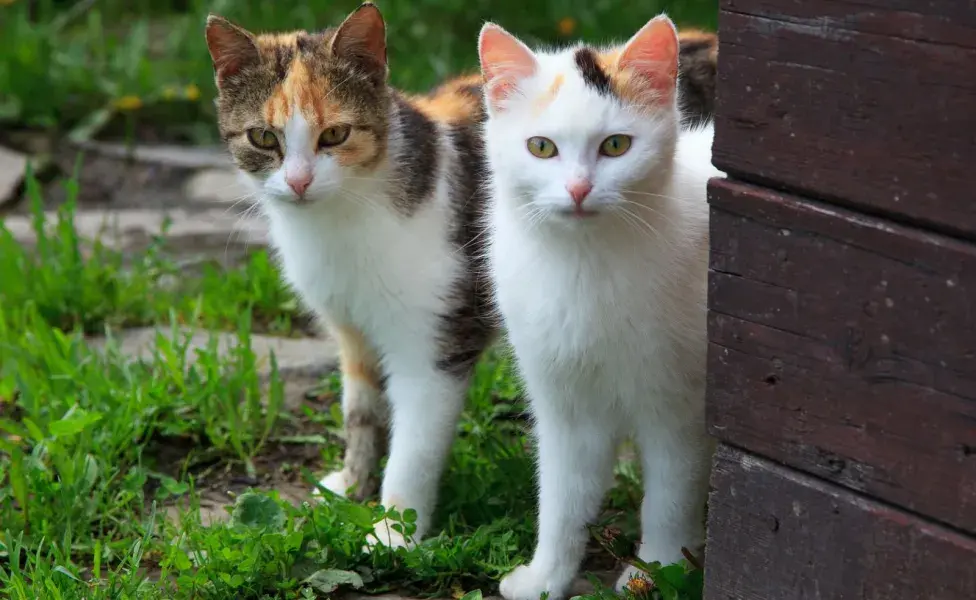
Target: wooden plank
864	103
846	347
775	534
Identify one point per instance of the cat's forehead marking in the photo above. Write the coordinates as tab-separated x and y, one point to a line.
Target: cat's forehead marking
304	89
543	101
593	73
600	72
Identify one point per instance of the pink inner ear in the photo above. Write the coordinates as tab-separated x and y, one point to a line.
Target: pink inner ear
504	61
653	53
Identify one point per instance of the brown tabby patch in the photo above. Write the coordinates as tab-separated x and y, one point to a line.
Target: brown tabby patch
697	71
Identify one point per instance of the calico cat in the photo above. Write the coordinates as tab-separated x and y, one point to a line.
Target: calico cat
373	200
598	255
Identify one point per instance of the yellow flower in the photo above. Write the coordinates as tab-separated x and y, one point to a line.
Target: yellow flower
6	2
638	585
192	92
128	103
169	92
566	25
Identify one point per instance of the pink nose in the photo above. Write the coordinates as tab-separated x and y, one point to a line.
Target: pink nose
578	190
299	183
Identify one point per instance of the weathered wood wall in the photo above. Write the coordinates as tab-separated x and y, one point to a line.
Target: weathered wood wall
842	301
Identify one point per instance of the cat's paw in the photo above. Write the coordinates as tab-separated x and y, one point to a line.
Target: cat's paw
528	583
630	573
384	535
338	482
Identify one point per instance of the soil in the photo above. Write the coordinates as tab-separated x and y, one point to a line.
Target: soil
278	467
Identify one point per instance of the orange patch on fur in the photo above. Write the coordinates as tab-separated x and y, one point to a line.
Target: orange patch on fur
544	100
452	102
631	86
302	89
695	35
625	83
356	358
358	150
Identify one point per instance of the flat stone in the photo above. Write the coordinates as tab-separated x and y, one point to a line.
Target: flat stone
215	505
190	157
581	586
12	166
215	185
303	358
206	230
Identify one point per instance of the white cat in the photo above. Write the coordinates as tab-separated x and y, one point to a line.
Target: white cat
598	254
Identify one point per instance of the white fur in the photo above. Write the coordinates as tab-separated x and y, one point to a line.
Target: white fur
358	262
606	314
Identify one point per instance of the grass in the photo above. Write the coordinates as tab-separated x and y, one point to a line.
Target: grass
143	64
87	468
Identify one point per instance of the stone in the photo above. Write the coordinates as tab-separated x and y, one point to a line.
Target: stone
215	185
303	358
12	166
208	230
189	157
215	505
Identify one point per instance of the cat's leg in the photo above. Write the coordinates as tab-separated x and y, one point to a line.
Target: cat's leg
426	406
364	415
576	453
675	463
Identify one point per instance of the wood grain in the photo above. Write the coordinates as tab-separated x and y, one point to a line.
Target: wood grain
775	534
864	103
844	346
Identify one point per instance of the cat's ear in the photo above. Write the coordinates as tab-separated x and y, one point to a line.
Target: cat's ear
505	60
652	54
231	48
362	38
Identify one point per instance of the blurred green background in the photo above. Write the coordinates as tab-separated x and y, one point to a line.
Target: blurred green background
77	66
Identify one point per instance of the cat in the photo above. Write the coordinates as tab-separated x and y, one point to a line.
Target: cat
598	254
697	72
374	200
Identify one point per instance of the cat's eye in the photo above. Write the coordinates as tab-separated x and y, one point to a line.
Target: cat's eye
615	145
333	136
541	147
262	138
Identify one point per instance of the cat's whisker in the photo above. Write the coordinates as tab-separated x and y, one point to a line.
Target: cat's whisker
361	200
658	214
641	226
250	197
662	196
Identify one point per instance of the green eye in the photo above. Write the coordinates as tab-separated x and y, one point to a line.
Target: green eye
333	136
541	147
262	138
615	145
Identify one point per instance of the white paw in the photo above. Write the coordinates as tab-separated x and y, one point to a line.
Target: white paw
629	573
384	535
338	482
527	583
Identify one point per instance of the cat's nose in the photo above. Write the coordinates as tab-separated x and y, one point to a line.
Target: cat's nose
299	182
578	190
